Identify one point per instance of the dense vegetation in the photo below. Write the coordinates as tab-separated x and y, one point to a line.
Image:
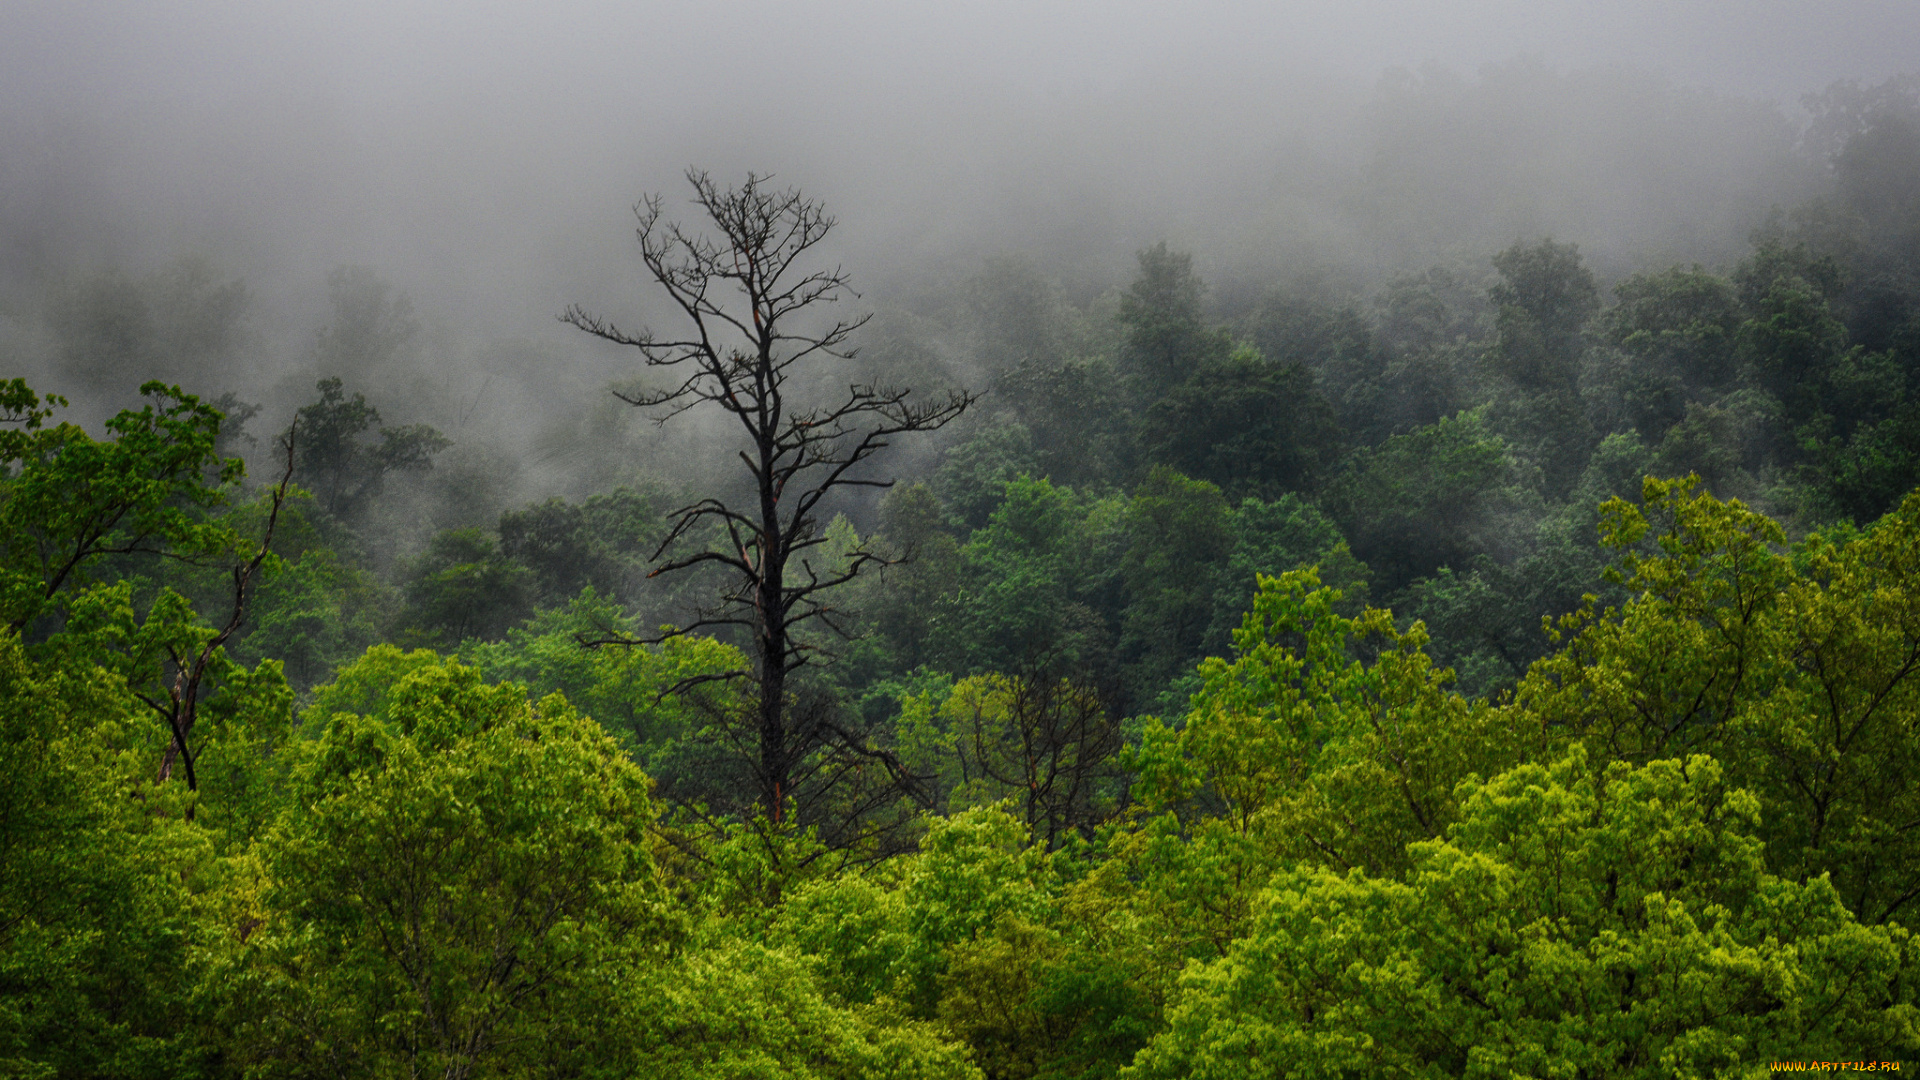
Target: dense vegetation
1453	678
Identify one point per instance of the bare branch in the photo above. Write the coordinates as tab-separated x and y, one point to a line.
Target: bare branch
184	695
744	292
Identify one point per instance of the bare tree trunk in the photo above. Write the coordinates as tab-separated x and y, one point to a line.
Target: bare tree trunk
753	314
771	660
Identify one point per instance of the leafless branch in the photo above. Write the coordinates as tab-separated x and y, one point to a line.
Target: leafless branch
743	293
183	695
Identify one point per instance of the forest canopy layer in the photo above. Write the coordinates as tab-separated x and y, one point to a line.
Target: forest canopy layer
1501	667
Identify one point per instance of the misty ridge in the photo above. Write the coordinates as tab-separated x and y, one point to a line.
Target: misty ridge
962	239
1426	167
1001	543
1324	203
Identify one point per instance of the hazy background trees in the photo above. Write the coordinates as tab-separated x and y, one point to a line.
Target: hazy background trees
1488	482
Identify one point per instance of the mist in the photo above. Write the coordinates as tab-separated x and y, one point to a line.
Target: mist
1121	540
482	167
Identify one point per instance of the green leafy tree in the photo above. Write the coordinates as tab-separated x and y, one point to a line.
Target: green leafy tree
463	587
1576	920
1428	327
1165	336
904	612
1678	330
1335	343
972	480
336	460
1249	425
70	503
1433	497
893	938
1792	336
1544	301
463	882
1030	596
1796	670
1872	469
1078	418
1047	746
968	931
680	739
1022	986
1179	539
315	611
601	543
1296	749
78	511
95	917
1294	752
1272	538
741	1009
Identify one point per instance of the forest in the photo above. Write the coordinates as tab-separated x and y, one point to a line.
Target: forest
1504	667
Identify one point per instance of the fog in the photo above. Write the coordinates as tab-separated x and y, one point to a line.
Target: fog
483	165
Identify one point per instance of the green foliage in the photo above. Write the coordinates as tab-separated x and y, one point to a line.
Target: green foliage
96	928
912	527
1271	538
1794	338
141	649
1077	415
1799	678
975	475
1300	749
1047	746
69	502
1018	318
1029	584
1295	753
1427	326
1871	470
629	689
1061	806
1544	301
1247	424
1485	618
463	875
1337	346
1161	314
886	936
1678	330
463	587
1426	499
335	460
1575	920
602	543
742	1010
315	611
1179	536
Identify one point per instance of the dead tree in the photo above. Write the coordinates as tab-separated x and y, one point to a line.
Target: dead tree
1048	743
756	314
178	700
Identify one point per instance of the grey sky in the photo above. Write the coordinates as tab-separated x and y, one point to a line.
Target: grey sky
482	151
673	51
